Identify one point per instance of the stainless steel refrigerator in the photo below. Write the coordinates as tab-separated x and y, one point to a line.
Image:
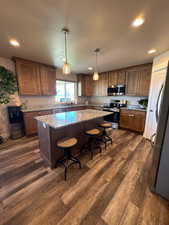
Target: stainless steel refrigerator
160	166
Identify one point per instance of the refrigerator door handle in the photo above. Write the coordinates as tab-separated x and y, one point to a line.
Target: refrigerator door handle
157	104
152	139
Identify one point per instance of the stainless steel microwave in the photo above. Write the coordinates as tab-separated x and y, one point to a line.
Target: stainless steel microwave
116	90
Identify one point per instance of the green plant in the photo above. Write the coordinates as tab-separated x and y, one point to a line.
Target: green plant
143	102
8	85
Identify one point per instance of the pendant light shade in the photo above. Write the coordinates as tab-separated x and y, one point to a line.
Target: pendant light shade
96	74
66	66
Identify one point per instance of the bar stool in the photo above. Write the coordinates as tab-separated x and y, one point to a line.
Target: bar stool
93	142
105	137
66	145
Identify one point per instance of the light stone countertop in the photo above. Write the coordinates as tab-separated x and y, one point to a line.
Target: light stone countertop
63	119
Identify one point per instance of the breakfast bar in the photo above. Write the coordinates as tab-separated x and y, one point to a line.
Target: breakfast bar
54	127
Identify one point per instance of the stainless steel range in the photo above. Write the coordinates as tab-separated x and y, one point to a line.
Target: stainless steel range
114	107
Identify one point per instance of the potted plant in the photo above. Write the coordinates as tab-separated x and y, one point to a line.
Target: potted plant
143	103
8	86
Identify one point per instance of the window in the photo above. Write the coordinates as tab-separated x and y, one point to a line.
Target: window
65	91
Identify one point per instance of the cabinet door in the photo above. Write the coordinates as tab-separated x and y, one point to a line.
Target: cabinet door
113	78
96	88
81	85
132	83
138	80
132	120
30	123
102	84
121	77
144	78
28	77
48	80
88	85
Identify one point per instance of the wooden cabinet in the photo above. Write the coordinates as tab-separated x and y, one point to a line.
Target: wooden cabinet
132	120
31	123
116	77
103	84
112	78
138	80
100	86
35	78
85	85
28	77
48	80
88	85
131	83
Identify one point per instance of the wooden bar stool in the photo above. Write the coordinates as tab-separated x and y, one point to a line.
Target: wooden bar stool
105	137
66	145
93	142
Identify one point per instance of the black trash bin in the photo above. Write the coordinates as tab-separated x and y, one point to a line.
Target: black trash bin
16	122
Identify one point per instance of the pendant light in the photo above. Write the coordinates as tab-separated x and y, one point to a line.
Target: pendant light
96	74
66	66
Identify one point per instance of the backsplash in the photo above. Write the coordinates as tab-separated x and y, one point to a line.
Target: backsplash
100	100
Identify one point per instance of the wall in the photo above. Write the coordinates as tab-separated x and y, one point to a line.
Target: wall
4	124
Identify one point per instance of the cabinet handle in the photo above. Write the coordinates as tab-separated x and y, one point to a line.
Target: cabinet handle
131	115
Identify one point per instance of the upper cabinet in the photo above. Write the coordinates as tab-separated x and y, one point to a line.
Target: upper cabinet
102	84
35	78
116	77
28	77
85	85
48	80
138	80
135	78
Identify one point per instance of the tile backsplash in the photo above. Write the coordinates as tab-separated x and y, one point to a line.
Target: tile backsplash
101	100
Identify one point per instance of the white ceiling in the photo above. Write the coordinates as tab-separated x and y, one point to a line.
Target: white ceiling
37	25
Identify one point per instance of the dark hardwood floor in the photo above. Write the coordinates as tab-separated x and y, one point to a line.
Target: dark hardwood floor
111	189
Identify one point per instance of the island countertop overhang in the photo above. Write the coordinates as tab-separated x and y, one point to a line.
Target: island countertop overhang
64	119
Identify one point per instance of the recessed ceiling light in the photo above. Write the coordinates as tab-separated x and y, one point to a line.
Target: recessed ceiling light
151	51
90	68
14	42
138	22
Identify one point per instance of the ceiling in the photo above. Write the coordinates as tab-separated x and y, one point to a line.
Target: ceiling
93	23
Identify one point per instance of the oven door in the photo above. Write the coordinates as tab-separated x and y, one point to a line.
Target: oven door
113	118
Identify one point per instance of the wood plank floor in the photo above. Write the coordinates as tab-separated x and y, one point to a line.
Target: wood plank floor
111	189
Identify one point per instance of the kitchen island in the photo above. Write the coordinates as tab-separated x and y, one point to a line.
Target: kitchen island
54	127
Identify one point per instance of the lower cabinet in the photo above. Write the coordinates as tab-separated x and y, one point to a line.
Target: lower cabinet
31	123
133	120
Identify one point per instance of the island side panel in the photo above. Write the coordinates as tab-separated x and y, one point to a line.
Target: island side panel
45	144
